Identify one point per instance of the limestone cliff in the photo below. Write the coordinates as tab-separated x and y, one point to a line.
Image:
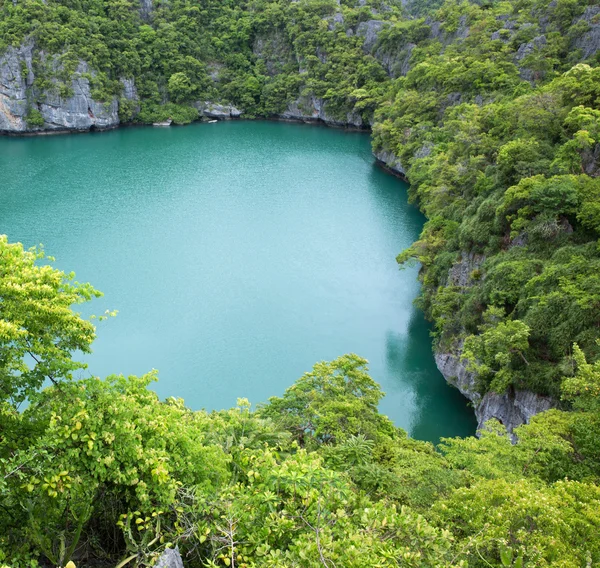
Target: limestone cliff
308	108
25	108
512	408
390	162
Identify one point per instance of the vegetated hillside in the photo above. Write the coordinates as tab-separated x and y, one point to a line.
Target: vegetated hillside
103	473
498	133
492	112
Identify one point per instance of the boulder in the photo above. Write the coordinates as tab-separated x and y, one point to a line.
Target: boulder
170	558
217	111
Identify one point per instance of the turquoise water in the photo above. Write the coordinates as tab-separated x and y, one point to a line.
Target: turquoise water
237	254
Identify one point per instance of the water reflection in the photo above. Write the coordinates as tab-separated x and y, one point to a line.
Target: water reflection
438	409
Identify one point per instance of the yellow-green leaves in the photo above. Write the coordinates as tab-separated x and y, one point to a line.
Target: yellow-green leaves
37	322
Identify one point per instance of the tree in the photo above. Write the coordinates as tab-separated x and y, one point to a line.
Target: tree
332	402
39	331
496	354
180	87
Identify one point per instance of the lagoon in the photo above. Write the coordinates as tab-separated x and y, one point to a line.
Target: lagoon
237	255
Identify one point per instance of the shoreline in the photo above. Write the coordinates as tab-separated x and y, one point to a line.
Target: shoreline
93	129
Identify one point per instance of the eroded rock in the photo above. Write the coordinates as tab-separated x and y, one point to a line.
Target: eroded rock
19	98
512	408
170	558
308	108
589	42
391	162
217	111
369	30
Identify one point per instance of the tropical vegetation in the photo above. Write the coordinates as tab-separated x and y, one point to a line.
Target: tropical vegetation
492	110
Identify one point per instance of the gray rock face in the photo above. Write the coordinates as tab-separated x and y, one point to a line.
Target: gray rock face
391	162
369	30
217	111
591	161
170	558
589	43
526	49
438	33
338	18
455	372
512	408
81	111
314	109
13	88
397	63
18	98
129	89
146	7
461	273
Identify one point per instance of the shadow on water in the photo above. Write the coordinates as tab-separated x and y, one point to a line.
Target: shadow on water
440	409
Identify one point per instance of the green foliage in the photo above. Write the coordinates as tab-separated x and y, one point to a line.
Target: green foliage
102	470
38	330
496	353
506	171
34	118
583	389
334	401
179	114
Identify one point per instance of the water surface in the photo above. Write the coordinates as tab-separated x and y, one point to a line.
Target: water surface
237	254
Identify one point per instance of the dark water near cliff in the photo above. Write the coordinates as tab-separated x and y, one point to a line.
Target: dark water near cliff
237	254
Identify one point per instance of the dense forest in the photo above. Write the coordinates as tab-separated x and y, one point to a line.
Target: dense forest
492	111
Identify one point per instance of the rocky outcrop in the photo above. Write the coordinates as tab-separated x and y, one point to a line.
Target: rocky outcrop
462	272
370	31
308	108
455	372
79	111
24	109
511	408
397	62
217	111
439	33
390	162
146	7
589	42
526	49
170	558
14	86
